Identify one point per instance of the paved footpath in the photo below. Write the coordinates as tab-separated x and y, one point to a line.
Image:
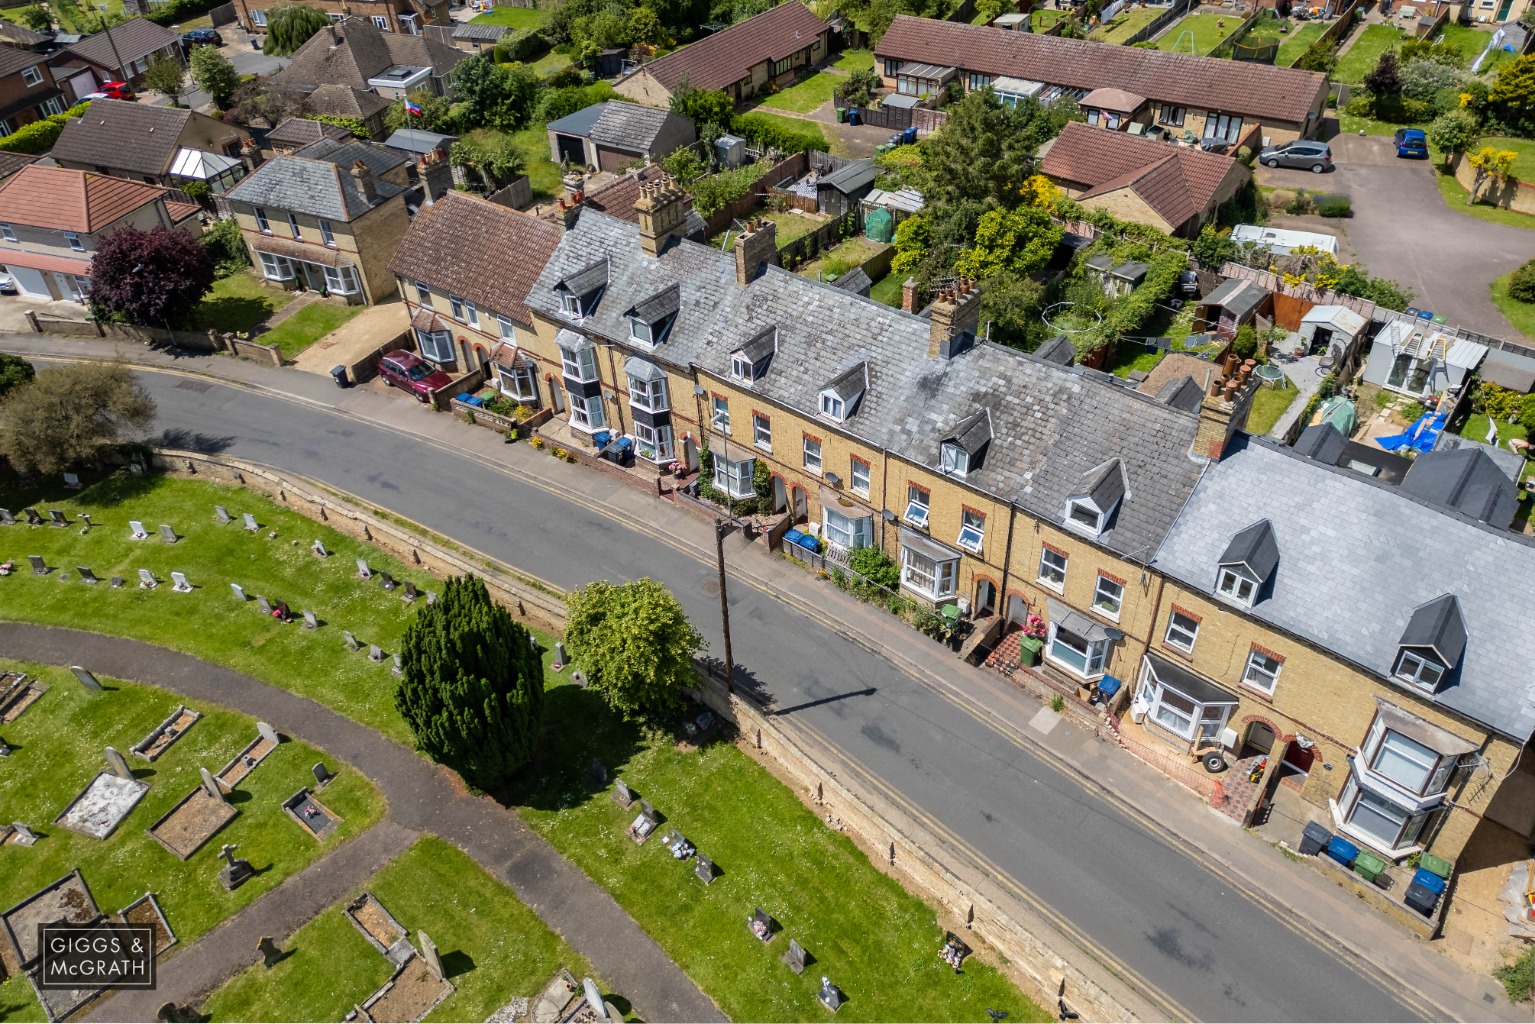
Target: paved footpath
422	798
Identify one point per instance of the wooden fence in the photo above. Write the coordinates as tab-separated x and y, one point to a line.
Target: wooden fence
827	235
792	166
1336	32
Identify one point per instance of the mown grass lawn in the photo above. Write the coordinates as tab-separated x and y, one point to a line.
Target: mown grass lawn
1208	30
239	303
1472	41
789	124
1455	197
1125	25
1129	357
805	96
492	946
1524	162
308	326
1041	19
1362	57
841	258
1520	314
888	290
1297	41
855	60
57	750
1269	404
511	17
543	173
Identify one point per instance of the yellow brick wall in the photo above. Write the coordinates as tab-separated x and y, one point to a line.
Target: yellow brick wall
368	243
1124	204
642	88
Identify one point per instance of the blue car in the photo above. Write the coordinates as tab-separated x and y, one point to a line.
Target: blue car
1411	143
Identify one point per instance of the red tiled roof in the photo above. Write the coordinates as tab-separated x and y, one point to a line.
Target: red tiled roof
181	211
43	261
1205	83
65	200
1177	182
727	56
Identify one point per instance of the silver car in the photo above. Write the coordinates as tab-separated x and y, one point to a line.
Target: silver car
1315	157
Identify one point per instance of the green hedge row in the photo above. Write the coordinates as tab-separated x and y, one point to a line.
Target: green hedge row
769	134
39	136
178	11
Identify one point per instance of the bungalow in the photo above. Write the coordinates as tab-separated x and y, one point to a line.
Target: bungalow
161	145
120	53
297	132
742	60
614	134
1213	99
355	54
1175	189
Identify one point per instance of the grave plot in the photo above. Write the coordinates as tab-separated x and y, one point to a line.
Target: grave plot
67	901
379	927
17	693
196	819
166	733
146	911
105	802
565	999
411	994
245	762
312	816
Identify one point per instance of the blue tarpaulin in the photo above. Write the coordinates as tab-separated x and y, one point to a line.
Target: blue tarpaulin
1419	437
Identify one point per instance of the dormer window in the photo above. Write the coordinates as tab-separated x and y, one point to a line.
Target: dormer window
1432	644
954	460
580	291
840	397
749	362
1237	587
1247	563
640	332
960	452
1101	489
1082	514
1417	668
832	406
570	305
650	320
741	368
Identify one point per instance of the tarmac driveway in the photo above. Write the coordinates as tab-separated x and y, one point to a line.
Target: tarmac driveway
1403	229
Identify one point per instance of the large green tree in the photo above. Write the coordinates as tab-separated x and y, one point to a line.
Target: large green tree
1018	241
289	26
635	645
492	95
214	73
1513	92
985	151
166	77
69	415
14	372
471	685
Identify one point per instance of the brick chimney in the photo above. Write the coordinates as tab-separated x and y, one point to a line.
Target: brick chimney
956	312
1223	411
663	209
436	175
909	295
362	175
756	247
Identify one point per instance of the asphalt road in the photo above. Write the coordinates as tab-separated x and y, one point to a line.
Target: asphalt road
1402	229
1143	899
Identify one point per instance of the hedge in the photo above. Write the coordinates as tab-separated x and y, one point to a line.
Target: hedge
39	136
1128	314
178	11
768	134
524	45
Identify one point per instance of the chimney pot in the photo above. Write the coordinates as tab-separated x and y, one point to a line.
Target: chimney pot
1216	386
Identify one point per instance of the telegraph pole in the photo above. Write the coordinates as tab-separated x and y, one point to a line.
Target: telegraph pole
122	71
719	551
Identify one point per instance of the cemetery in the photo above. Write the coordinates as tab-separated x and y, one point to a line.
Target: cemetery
167	732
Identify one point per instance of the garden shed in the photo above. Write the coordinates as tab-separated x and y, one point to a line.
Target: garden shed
1331	329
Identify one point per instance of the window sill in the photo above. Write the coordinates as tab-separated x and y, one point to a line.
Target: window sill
765	448
1175	649
1072	672
1104	615
1053	587
1266	696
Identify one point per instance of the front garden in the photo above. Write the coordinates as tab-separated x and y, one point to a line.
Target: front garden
806	95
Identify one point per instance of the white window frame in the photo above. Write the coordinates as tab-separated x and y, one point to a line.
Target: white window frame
719	411
918	504
53	106
456	308
276	268
520	382
73	238
812	454
1435	768
641	333
570	305
1176	630
1258	675
31	76
342	280
858	476
436	346
953	460
1053	576
847	532
1077	515
327	233
508	328
832	406
1178	713
734	478
1419	670
742	368
1409	822
1093	654
587	412
1108	597
657	440
649	395
423	294
293	228
7	232
762	432
258	17
1235	587
262	224
381	23
972	531
579	365
930	577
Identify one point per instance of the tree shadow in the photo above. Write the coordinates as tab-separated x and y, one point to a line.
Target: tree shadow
578	728
232	313
192	441
457	962
118	489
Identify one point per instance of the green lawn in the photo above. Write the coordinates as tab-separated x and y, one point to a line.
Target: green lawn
1209	31
1472	41
1520	314
1362	57
1524	163
238	303
1297	41
493	947
876	941
308	326
511	17
1269	404
547	65
1126	24
805	96
855	60
841	258
543	173
1129	357
1041	19
57	749
1455	198
888	290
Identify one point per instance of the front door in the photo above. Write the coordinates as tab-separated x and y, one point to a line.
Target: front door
798	494
780	500
1260	739
985	598
1017	609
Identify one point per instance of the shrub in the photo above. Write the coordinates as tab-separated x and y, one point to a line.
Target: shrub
1422	79
875	566
767	134
226	247
1521	283
355	125
528	44
717	191
1245	344
558	103
1518	976
1334	205
1362	105
1321	56
177	11
1527	416
1300	205
39	136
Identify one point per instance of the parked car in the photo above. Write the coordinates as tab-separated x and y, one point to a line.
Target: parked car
112	91
201	37
1188	284
1411	143
412	374
7	284
1315	157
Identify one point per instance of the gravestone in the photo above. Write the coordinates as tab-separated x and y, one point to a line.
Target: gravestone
211	785
795	957
830	995
137	529
117	764
250	522
235	872
87	679
5	748
310	622
86	576
594	998
270	954
39	567
397	669
351	641
267	733
24	836
409	597
761	924
72	481
117	581
429	954
319	549
431	598
703	867
34	518
6	519
598	772
622	793
147	580
363	572
263	605
239	592
322	774
85	518
559	654
375	653
386	581
167	534
221	514
180	584
57	519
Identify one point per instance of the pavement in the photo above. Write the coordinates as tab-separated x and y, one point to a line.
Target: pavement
1138	876
422	797
1403	229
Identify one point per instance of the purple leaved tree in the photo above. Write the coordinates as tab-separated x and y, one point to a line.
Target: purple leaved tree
151	278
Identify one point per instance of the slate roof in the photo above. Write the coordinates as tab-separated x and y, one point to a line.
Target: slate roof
418	142
300	131
486	253
133	39
317	180
1176	181
1359	557
1254	549
727	56
65	200
850	177
578	122
855	280
10	163
1438	625
1205	83
351	52
1049	424
1467	480
636	129
1058	349
123	136
1104	485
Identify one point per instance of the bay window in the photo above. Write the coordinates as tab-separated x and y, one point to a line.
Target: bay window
519	382
341	280
734	478
847	531
930	577
436	346
1186	705
1076	653
1371	816
580	364
275	268
653	443
587	413
1405	762
649	395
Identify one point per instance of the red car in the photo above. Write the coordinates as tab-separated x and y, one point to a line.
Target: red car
112	91
410	373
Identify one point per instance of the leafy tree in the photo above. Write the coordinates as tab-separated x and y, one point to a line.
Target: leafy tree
1355	280
14	372
1513	92
1011	306
289	26
702	106
647	27
1385	78
985	151
214	73
225	245
1012	241
436	114
1453	132
1423	79
150	277
635	645
685	165
356	125
1490	164
1521	286
1213	247
167	77
1319	56
70	415
35	17
471	685
491	155
263	99
912	237
492	95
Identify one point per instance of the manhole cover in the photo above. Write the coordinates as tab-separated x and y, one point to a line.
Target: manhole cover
710	587
195	385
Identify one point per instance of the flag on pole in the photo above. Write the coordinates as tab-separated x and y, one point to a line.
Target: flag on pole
412	109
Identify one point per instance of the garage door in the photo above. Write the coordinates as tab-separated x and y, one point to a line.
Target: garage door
31	282
612	159
82	84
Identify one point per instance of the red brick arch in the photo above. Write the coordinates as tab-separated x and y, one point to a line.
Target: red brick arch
1280	736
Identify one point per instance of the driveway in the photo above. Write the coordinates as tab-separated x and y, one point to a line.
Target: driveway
1402	229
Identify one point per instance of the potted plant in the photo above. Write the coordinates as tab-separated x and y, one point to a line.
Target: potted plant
1032	641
